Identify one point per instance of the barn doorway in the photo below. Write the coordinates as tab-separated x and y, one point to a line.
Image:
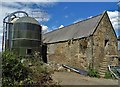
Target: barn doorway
106	42
29	51
44	53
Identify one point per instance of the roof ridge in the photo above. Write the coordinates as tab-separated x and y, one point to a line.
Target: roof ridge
74	23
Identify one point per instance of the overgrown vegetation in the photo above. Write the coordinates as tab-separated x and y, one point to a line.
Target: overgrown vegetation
24	71
93	73
108	75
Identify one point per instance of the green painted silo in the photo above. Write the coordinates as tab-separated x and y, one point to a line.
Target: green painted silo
26	36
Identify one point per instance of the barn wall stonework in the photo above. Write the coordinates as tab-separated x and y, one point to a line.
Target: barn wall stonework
75	53
89	51
104	44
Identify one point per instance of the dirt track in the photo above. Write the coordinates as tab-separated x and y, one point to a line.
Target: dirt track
71	78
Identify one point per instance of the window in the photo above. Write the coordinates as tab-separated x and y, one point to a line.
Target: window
29	51
106	41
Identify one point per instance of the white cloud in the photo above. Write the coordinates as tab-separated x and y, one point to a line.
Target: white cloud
113	15
11	4
1	34
9	7
80	19
90	17
61	26
30	1
44	28
39	14
77	20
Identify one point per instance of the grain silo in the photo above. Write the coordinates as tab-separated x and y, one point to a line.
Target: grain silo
23	35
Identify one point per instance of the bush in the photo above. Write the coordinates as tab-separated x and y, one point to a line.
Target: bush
24	71
13	71
93	73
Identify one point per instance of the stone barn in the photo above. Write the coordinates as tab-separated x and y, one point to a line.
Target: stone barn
90	43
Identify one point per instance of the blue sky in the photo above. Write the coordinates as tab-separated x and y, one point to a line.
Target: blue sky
54	15
66	13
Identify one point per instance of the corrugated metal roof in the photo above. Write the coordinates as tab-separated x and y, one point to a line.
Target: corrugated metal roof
27	19
78	30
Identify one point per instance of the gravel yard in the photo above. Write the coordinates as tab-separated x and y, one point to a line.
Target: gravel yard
72	78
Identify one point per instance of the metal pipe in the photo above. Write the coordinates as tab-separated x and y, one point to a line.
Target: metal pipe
112	72
12	14
3	37
83	72
71	68
6	27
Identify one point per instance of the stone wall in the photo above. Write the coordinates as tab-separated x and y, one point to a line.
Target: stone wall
104	44
87	52
75	53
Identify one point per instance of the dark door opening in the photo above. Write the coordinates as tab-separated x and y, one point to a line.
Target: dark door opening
106	41
29	51
44	53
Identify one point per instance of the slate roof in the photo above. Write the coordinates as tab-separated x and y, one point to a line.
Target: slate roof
80	29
